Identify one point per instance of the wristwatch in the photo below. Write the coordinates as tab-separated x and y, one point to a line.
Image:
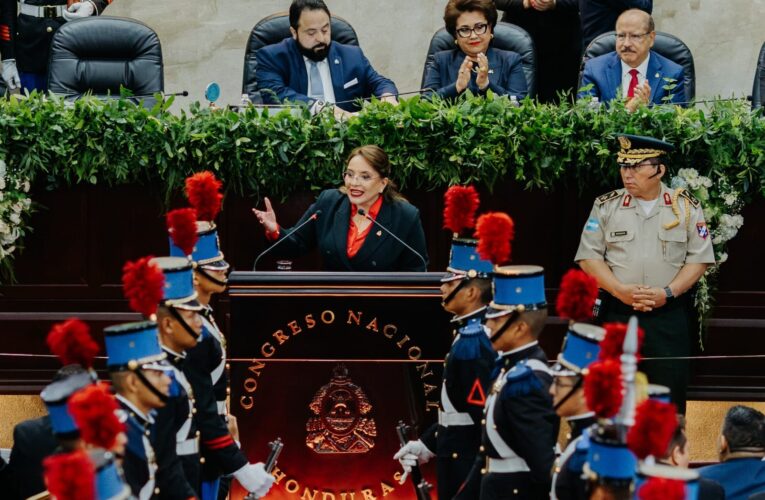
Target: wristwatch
669	293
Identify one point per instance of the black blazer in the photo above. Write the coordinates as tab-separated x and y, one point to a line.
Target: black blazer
380	252
33	441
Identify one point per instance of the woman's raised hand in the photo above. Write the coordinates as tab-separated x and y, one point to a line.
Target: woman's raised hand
463	77
267	217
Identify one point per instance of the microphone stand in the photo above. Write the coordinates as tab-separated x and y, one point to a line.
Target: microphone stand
363	212
313	217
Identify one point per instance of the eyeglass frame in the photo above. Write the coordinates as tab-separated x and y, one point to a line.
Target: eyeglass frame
348	175
623	37
474	29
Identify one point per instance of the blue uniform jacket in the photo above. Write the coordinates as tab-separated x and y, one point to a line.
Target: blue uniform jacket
281	75
506	77
740	477
605	72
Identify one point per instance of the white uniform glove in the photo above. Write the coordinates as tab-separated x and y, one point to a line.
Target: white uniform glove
11	74
413	453
78	10
255	479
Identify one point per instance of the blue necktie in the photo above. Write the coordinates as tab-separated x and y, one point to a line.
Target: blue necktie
317	89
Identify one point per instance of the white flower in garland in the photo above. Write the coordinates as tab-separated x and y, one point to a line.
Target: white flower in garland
15	205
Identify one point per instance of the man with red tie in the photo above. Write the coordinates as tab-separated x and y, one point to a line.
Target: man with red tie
634	72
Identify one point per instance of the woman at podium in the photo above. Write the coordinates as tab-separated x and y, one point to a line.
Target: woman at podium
365	225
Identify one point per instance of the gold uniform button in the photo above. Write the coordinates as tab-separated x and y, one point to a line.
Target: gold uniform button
483	421
146	433
201	460
49	29
454	455
483	471
482	448
198	433
228	391
515	491
156	491
495	427
228	366
193	411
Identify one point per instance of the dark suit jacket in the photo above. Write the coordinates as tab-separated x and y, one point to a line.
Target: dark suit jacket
599	16
605	72
740	477
33	441
507	76
282	75
557	40
380	252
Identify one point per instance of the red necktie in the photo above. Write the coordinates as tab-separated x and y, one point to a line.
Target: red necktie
633	83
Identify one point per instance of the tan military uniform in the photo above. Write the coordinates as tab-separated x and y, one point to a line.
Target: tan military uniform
646	249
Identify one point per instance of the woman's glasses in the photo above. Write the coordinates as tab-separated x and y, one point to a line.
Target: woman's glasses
478	29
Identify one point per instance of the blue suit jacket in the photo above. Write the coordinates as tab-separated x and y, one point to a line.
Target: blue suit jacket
507	76
281	75
605	72
740	477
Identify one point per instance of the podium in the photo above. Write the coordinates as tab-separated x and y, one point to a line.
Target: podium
330	362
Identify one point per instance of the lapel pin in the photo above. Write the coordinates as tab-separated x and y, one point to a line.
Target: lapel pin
657	75
337	61
379	233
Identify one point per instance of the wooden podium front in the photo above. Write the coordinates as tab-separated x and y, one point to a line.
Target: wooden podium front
330	362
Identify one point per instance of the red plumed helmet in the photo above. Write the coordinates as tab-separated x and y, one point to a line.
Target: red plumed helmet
93	410
72	343
659	488
603	388
495	232
655	423
612	345
70	476
203	192
182	226
578	292
143	285
460	205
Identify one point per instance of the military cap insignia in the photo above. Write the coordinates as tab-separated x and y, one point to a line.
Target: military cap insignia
688	196
608	196
342	420
624	142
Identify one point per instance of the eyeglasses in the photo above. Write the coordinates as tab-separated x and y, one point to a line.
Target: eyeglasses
478	29
623	37
363	178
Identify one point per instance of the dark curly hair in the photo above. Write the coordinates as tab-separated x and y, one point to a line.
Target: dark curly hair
455	8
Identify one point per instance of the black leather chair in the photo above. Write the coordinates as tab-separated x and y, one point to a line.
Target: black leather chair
758	88
275	28
506	37
665	44
100	54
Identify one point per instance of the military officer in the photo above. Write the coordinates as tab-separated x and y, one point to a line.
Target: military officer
138	371
647	245
580	349
179	326
25	40
519	427
454	440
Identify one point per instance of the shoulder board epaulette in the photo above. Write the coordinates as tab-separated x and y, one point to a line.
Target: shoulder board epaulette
520	380
608	196
688	196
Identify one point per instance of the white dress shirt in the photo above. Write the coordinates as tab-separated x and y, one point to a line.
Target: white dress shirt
326	78
626	76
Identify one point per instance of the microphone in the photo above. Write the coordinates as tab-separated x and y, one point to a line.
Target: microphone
363	212
313	217
182	93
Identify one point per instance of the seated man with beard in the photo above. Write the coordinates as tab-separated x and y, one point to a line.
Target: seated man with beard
310	68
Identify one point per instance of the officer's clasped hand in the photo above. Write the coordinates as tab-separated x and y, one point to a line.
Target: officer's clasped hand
78	10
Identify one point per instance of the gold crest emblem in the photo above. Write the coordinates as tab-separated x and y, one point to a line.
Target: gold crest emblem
341	421
624	142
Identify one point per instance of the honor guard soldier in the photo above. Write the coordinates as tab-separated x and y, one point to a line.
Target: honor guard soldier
466	291
35	439
205	365
520	427
180	327
26	49
647	245
580	349
139	376
110	484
